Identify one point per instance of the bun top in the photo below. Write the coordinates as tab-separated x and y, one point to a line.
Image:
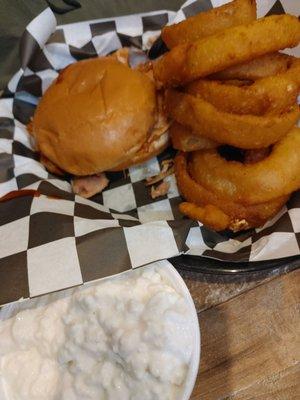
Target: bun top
95	116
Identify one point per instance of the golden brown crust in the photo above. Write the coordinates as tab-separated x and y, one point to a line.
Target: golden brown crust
209	215
242	43
276	175
241	217
208	23
243	131
232	46
258	68
272	95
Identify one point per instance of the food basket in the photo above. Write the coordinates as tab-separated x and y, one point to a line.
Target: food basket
53	239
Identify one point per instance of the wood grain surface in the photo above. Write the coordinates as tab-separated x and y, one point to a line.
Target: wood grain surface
250	332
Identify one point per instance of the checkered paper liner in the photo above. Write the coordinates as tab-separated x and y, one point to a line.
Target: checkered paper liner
52	239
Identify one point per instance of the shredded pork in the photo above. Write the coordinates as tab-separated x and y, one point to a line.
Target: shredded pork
88	186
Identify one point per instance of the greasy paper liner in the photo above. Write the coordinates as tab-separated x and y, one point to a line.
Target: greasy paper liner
52	239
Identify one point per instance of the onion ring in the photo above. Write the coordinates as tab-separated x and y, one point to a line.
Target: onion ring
243	131
227	48
290	70
276	175
183	139
258	68
273	95
211	216
168	70
210	22
241	217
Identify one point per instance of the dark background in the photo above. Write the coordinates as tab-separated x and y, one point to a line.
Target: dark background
16	14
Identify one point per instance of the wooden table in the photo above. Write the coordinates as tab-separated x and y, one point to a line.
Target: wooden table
250	335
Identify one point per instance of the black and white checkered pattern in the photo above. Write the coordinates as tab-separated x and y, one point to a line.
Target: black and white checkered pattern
52	239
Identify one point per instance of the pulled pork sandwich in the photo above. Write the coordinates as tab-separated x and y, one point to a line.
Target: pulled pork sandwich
99	115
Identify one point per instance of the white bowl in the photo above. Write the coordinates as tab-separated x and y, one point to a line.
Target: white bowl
171	276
